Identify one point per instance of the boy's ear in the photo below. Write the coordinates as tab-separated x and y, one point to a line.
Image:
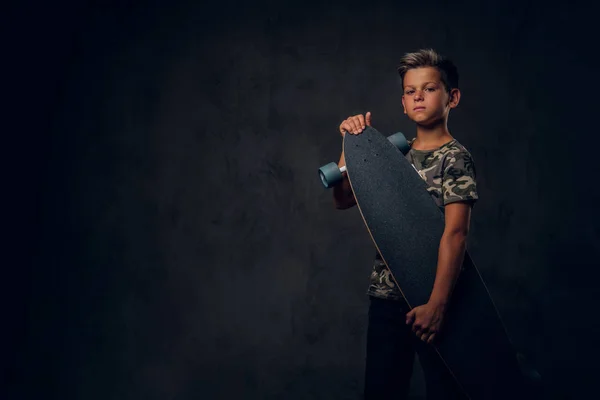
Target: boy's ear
454	98
403	105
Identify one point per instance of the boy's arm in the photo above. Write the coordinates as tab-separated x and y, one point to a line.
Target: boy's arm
451	252
460	192
342	193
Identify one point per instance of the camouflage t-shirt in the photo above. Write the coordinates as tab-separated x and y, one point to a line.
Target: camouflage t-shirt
450	174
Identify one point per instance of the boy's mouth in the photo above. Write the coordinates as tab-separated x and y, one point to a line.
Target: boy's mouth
418	108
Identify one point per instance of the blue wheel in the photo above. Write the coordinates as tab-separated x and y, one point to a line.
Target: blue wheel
399	140
330	174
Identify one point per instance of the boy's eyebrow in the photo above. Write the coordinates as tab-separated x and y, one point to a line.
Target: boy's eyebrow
424	83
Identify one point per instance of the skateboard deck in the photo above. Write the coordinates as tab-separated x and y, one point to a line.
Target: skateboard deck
406	225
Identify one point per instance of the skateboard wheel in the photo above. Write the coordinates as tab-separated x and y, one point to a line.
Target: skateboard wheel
399	140
330	174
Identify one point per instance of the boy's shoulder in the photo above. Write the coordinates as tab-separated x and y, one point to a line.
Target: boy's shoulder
448	151
456	148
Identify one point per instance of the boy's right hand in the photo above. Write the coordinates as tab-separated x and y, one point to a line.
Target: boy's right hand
355	124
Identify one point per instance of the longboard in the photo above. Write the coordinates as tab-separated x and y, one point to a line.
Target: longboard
406	225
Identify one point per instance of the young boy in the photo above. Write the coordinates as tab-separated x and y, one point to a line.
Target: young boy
430	91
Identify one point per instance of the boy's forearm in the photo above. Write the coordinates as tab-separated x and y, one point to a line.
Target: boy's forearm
342	195
450	259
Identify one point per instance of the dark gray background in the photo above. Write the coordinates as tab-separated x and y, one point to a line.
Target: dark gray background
173	239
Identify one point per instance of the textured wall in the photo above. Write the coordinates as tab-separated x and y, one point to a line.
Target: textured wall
184	246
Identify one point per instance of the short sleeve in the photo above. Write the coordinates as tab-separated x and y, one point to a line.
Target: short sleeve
459	179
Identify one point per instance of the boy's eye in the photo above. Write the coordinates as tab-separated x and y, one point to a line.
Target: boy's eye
430	89
409	92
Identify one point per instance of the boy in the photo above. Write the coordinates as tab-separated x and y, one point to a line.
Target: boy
430	90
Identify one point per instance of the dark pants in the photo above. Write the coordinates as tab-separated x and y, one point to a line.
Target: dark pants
391	348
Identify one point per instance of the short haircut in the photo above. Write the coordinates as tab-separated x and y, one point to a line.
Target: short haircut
430	58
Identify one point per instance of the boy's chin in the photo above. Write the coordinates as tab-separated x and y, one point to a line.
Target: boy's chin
419	119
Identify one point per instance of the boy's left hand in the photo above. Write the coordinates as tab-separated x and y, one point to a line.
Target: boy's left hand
426	321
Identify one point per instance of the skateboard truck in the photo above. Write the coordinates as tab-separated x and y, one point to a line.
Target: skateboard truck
331	174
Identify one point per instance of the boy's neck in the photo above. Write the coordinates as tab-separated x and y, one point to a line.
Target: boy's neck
432	137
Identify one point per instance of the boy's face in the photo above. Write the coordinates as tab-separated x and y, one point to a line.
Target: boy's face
425	99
